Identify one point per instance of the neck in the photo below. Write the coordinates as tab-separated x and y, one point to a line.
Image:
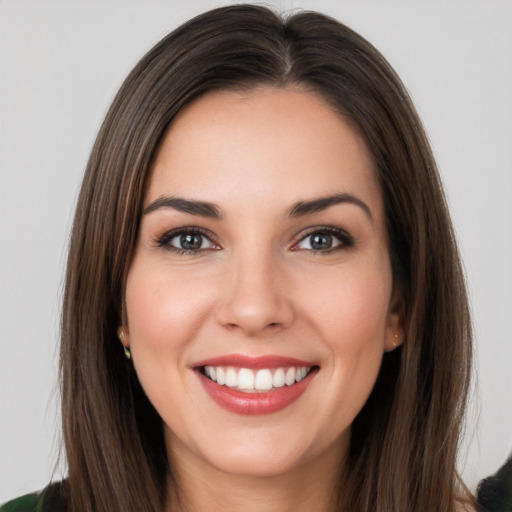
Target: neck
313	487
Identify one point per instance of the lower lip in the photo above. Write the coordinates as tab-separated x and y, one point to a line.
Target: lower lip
254	404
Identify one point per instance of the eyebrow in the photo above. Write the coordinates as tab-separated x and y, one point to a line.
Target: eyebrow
202	208
322	203
211	210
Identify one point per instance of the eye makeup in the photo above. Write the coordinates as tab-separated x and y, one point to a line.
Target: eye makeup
187	240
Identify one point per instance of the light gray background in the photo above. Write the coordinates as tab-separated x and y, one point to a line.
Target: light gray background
60	65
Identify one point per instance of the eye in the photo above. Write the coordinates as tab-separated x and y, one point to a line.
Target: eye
326	239
186	241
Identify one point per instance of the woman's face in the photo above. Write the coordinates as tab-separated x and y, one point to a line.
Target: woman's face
259	301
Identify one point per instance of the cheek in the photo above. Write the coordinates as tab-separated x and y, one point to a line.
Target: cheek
351	313
165	311
160	303
351	307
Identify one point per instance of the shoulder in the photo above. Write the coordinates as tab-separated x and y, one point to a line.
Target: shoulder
26	503
50	499
495	492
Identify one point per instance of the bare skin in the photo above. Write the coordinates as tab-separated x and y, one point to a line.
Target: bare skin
310	488
270	275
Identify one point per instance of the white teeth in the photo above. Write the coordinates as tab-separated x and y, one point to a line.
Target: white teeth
231	378
289	378
221	375
278	379
245	379
300	374
263	380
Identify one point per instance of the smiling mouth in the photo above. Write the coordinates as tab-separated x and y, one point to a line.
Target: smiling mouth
255	385
262	380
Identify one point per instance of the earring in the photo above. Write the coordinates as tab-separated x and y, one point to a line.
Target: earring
127	352
395	343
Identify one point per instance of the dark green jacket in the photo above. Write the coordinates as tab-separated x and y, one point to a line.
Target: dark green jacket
51	499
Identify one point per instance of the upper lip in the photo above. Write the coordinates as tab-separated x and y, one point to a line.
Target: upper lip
253	362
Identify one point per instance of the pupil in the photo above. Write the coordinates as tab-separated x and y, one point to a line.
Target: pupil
190	241
321	241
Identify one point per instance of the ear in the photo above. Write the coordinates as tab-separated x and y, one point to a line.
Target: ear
123	335
395	327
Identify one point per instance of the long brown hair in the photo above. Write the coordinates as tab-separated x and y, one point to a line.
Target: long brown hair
404	441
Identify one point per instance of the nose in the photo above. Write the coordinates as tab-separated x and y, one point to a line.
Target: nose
256	298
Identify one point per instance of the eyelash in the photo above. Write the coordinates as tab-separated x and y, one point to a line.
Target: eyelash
165	240
346	241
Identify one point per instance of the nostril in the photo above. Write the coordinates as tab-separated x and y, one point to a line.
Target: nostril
253	313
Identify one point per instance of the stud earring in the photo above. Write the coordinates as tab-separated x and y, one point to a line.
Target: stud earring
127	352
395	343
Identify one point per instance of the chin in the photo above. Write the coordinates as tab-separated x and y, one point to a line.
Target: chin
269	452
265	464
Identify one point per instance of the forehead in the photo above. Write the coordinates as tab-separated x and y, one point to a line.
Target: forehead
269	144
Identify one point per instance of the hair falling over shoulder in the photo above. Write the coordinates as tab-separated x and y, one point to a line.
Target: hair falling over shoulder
404	442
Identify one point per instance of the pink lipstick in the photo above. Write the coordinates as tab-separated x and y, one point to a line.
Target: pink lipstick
255	385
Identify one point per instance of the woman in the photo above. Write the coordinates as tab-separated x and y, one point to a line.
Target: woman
264	304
